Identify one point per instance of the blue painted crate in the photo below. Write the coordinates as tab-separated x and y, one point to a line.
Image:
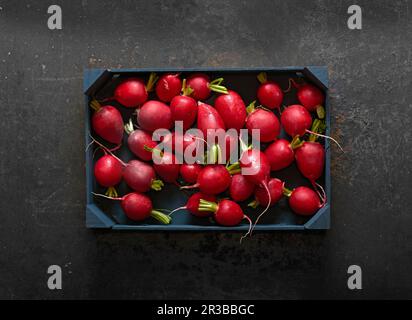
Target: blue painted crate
102	213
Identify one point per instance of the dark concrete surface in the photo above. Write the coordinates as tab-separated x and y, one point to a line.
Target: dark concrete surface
42	195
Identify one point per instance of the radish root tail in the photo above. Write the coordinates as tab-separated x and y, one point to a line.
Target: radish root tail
266	209
107	197
327	137
177	209
249	230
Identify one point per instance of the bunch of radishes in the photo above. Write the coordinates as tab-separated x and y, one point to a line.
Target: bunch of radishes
178	99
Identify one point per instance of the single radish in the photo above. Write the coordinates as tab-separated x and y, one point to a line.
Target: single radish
141	177
154	115
275	187
280	154
108	172
190	172
184	108
138	207
310	159
296	120
132	92
232	109
107	122
192	205
137	140
165	164
168	86
264	121
303	200
240	188
212	179
202	87
269	94
310	96
208	119
226	213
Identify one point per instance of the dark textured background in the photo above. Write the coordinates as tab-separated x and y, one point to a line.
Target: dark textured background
42	181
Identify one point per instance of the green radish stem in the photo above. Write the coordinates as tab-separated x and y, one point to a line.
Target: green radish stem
216	86
253	204
128	127
262	77
287	192
151	82
111	192
186	91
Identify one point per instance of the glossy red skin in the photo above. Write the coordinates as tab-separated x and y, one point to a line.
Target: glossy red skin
240	188
310	159
228	213
213	179
168	87
131	93
139	175
107	122
166	166
184	109
136	206
270	95
266	122
232	109
193	204
310	97
190	172
108	171
208	118
199	82
304	201
136	142
256	160
296	120
229	139
280	154
275	187
154	115
174	139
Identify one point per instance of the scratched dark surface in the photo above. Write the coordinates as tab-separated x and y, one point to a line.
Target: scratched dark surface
42	150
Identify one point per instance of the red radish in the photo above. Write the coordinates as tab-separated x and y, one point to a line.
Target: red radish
184	108
310	96
165	165
201	86
269	94
176	142
141	177
240	188
263	120
310	159
232	109
212	179
208	119
280	154
137	140
275	187
296	120
303	201
192	204
107	122
132	92
168	86
139	207
108	172
154	115
190	172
